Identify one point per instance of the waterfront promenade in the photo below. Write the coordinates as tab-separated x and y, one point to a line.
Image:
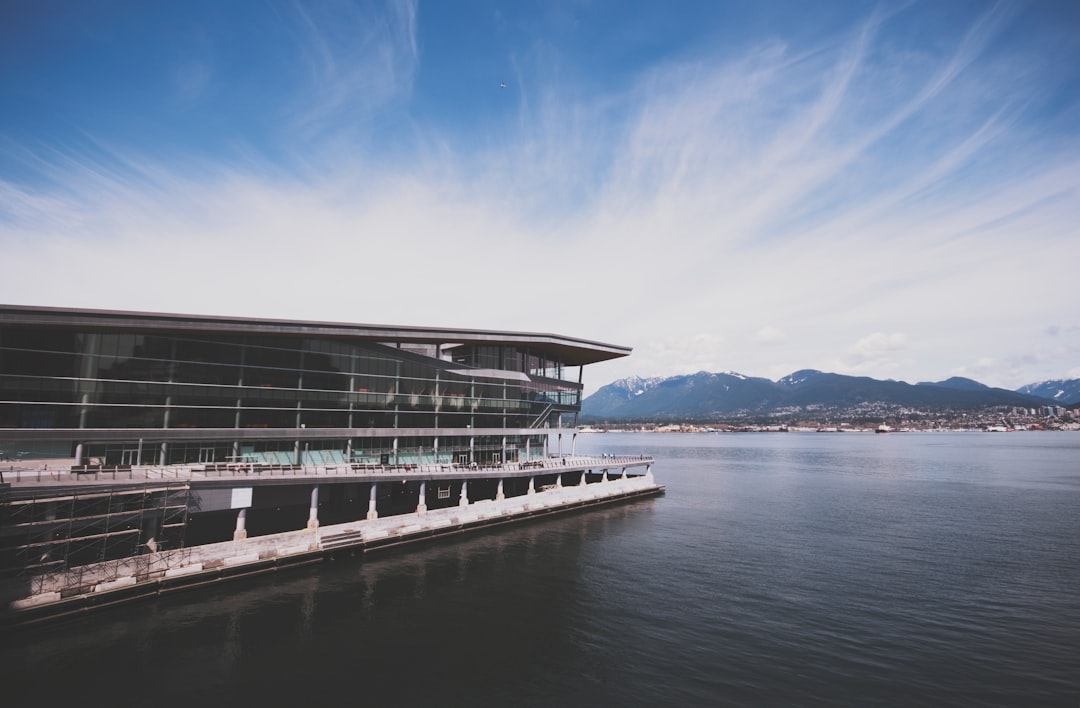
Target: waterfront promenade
23	476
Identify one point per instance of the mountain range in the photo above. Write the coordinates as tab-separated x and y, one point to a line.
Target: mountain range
707	395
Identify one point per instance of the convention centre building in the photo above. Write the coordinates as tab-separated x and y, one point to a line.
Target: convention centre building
129	388
148	451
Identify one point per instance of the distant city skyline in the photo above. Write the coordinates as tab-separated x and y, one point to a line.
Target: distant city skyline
889	191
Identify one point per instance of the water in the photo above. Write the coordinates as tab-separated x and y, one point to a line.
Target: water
781	569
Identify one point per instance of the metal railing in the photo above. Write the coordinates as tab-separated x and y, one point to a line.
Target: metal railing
122	473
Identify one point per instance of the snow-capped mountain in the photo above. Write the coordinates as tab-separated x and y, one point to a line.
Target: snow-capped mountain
1064	392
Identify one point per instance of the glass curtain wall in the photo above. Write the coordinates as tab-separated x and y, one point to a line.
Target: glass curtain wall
101	380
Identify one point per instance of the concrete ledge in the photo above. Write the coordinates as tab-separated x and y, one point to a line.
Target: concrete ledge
238	560
293	550
184	570
113	584
42	599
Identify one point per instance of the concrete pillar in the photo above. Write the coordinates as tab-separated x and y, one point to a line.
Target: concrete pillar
313	512
573	444
624	473
138	456
422	506
583	480
499	494
558	481
240	533
164	460
532	486
371	512
79	453
527	456
648	474
464	501
605	475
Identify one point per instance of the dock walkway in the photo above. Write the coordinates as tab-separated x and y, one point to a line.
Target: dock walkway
22	477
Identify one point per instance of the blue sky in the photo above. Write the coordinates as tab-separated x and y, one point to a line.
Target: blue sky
887	190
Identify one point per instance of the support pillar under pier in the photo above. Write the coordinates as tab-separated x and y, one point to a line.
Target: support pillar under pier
532	486
464	501
313	512
240	533
371	512
421	507
499	493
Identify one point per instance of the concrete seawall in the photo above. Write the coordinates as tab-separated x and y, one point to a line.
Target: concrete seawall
78	590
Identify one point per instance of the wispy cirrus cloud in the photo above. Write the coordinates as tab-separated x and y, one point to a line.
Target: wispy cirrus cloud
855	184
356	62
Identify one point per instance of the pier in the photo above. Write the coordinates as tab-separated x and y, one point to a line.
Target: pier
482	497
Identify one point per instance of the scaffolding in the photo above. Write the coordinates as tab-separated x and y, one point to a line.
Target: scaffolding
49	531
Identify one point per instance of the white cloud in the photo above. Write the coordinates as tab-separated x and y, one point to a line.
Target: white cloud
877	354
769	335
878	343
357	62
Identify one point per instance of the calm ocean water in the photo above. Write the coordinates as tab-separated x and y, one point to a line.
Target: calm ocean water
779	569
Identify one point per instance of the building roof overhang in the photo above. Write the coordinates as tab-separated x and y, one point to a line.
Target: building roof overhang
568	350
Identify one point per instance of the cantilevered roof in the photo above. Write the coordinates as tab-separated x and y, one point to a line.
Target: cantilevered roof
569	350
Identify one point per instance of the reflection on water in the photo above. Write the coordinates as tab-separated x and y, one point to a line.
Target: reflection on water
780	568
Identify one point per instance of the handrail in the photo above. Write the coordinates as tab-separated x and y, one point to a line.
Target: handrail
99	473
542	418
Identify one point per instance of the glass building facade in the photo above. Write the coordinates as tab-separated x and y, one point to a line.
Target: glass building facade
116	388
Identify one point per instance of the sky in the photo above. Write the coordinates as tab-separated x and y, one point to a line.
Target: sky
888	190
